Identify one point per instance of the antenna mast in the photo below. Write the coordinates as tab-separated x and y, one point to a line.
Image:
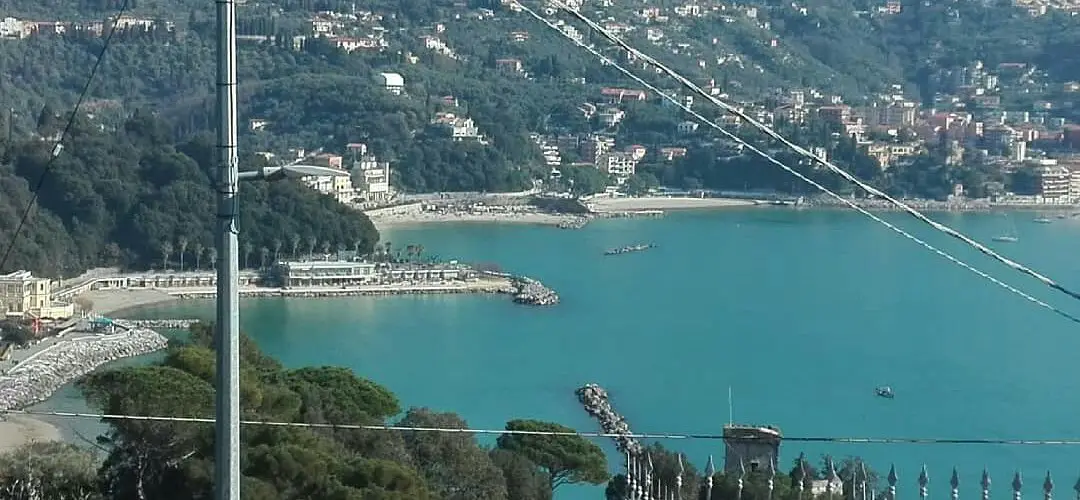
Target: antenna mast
730	408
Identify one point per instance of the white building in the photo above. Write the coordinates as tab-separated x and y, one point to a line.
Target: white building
373	176
460	128
325	273
1054	183
14	28
340	186
618	164
392	82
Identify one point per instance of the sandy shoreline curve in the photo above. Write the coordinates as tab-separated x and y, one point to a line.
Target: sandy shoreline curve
112	301
17	431
602	205
391	221
663	203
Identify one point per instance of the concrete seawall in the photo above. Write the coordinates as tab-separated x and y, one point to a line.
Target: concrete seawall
39	376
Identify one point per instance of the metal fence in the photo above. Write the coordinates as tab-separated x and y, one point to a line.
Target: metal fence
642	481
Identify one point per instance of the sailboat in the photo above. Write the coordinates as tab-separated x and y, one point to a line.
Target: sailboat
1009	237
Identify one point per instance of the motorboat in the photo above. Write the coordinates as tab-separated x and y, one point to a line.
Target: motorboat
1006	239
884	392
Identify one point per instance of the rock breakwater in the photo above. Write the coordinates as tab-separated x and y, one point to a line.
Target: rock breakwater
168	324
575	223
597	404
533	293
39	376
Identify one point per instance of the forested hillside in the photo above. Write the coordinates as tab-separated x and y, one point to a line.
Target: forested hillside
315	95
130	198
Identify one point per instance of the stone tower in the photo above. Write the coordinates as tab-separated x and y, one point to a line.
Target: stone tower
750	447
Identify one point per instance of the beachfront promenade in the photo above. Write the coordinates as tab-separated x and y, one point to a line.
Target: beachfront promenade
106	293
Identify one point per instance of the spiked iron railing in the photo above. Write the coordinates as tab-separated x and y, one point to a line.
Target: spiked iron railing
643	483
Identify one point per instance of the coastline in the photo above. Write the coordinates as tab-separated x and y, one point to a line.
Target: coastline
610	205
115	302
399	220
390	219
47	366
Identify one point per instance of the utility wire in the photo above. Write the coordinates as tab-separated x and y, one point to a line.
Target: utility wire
59	146
823	162
802	177
592	435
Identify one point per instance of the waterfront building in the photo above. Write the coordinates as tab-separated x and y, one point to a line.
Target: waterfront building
319	273
315	273
1054	183
22	294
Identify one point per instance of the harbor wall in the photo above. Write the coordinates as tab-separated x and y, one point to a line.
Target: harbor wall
40	375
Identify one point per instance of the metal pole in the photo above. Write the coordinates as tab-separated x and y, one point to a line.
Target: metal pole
227	418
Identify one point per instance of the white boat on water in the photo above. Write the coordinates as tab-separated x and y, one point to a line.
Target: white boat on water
1009	237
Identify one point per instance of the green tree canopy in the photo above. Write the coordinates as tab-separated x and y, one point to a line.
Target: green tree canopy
566	459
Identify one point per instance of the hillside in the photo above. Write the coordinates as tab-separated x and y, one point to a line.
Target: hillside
132	199
517	81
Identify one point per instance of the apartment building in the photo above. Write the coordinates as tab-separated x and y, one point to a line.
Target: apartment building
620	165
1054	182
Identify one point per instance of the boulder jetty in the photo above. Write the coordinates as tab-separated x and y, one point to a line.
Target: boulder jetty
39	376
533	293
597	404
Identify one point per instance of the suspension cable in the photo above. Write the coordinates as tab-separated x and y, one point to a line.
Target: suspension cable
591	435
821	161
802	177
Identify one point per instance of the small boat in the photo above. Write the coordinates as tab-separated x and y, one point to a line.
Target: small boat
884	392
629	249
1042	220
1009	237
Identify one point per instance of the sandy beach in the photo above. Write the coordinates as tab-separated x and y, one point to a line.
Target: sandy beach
663	203
114	301
390	221
19	430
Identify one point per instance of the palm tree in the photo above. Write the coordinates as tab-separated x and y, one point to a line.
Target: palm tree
247	248
211	253
182	244
326	247
264	253
409	250
166	251
387	249
198	251
295	240
312	242
356	247
340	250
277	248
419	250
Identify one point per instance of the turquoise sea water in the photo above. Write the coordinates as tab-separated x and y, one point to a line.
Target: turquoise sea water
801	313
